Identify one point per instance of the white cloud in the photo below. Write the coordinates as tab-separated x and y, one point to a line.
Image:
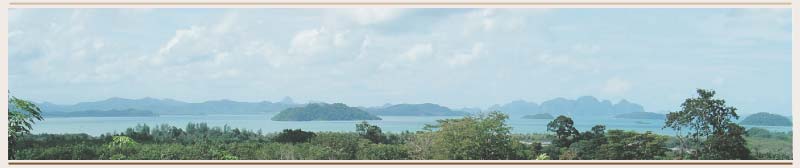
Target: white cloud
418	51
362	51
225	25
376	49
190	35
718	81
308	42
616	86
461	59
549	58
366	16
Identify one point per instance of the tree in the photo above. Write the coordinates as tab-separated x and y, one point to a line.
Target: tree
294	136
542	156
121	147
730	145
709	128
565	131
22	115
382	152
589	143
629	145
481	137
371	132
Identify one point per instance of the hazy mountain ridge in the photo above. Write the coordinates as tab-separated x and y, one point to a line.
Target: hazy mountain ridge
102	113
171	107
426	109
516	109
539	116
584	105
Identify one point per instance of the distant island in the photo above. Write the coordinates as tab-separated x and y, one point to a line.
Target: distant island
324	112
642	115
582	106
173	107
102	113
766	119
427	109
539	116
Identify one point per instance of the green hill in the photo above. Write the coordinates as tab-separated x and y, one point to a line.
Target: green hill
766	119
324	112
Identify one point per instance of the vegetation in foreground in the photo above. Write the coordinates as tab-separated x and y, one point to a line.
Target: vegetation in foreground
478	137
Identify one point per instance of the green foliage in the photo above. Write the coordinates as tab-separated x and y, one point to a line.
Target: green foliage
590	142
121	141
482	137
383	152
767	145
294	136
343	146
323	112
420	146
371	132
567	154
710	132
542	156
730	145
763	133
22	115
629	145
565	131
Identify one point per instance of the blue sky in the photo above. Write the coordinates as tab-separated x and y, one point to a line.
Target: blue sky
368	57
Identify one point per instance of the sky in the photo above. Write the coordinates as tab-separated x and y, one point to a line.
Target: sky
368	57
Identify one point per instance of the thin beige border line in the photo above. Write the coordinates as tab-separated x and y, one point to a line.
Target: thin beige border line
398	163
398	3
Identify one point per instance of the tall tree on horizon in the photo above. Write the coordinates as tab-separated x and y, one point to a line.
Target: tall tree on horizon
566	134
710	133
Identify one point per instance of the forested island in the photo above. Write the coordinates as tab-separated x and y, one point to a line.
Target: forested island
324	112
766	119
